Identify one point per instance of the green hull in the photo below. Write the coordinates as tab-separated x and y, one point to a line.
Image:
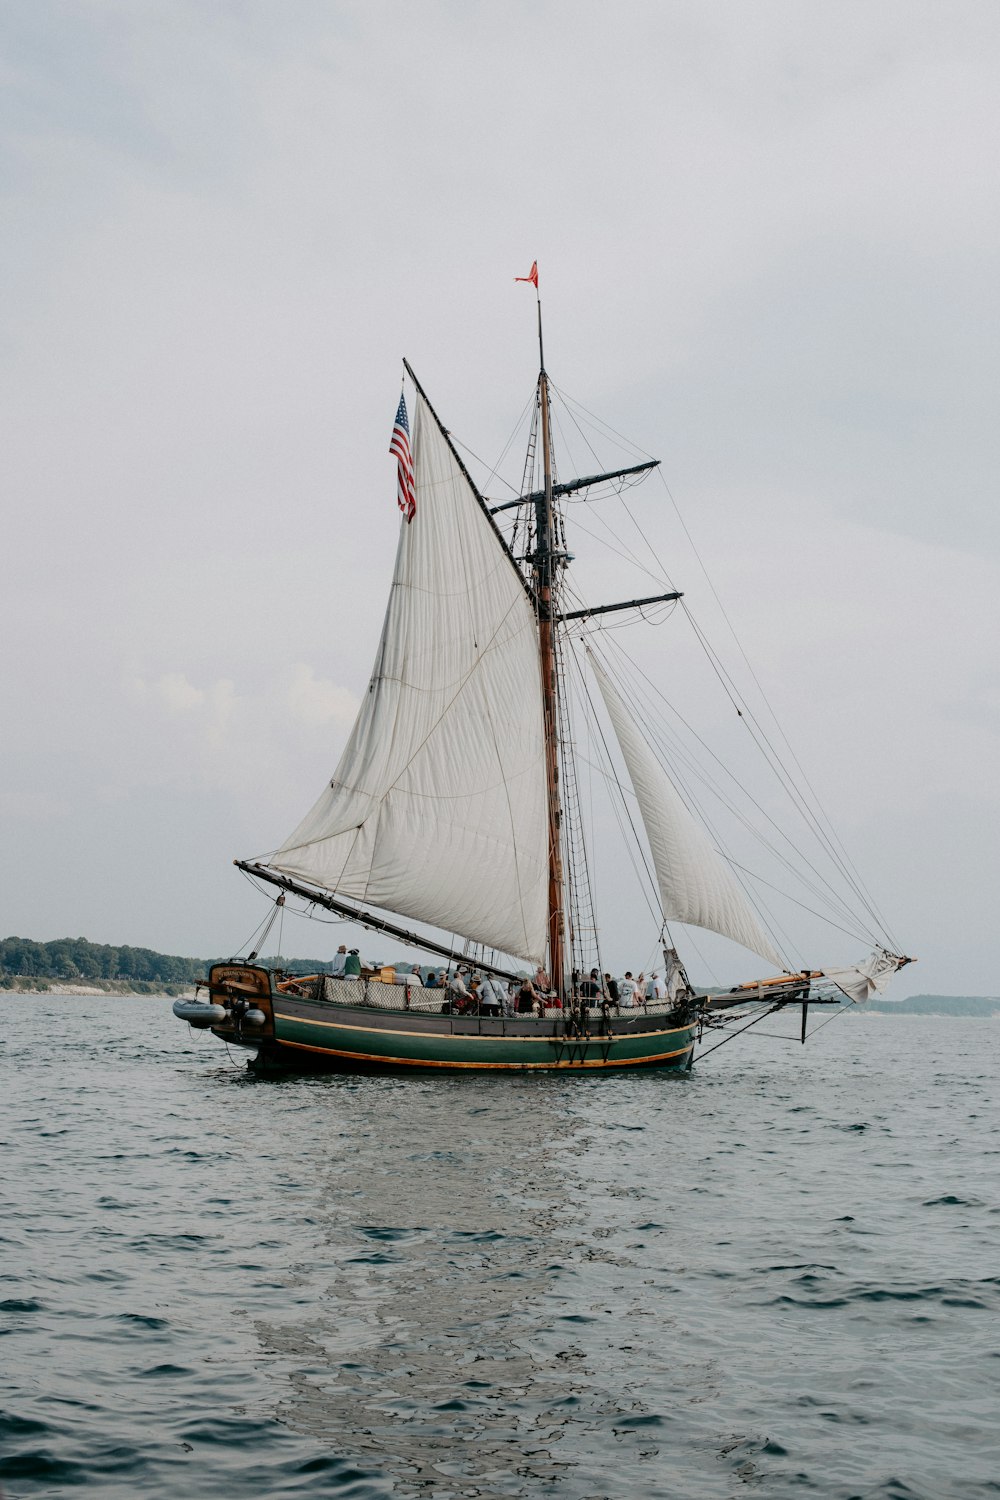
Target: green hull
353	1042
295	1025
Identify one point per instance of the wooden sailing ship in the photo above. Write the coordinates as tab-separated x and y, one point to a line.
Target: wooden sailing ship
448	809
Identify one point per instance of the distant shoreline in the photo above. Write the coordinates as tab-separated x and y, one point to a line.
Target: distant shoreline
126	988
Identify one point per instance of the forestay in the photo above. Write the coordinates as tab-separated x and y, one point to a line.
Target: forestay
695	884
437	810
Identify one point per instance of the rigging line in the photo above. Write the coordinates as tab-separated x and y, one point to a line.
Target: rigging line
843	1011
659	576
587	702
645	538
782	942
734	1034
780	1036
755	833
739	645
786	781
862	937
589	627
493	473
645	613
599	422
848	870
830	896
459	690
799	853
833	909
766	917
614	488
621	497
627	555
586	442
264	922
636	843
590	790
510	816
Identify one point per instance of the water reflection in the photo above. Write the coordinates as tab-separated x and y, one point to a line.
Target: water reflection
413	1347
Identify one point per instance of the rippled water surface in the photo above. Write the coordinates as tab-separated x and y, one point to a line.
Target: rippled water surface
778	1275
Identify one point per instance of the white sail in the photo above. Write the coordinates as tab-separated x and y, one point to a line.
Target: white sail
437	810
695	884
861	981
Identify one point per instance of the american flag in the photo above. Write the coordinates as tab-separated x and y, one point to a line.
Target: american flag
406	491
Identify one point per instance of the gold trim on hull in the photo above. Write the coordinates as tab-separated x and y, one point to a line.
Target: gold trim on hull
520	1067
463	1036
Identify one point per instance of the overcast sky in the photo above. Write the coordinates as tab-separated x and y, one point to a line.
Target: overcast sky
768	239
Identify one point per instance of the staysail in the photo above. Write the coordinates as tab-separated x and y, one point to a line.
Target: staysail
437	810
695	884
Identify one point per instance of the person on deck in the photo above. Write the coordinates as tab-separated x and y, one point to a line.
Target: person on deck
592	989
337	965
611	990
432	982
458	992
526	997
490	998
628	989
352	965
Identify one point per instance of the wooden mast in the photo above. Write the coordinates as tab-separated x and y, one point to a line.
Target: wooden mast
544	564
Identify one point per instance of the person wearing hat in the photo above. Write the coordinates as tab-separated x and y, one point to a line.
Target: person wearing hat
339	960
352	965
490	997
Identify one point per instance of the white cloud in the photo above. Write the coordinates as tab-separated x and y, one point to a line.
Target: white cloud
175	693
316	700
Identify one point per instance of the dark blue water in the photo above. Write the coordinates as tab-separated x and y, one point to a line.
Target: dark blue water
778	1276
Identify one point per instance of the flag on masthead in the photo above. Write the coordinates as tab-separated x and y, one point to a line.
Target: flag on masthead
406	492
532	275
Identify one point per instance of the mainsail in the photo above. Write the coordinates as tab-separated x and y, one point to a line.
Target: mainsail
437	810
695	884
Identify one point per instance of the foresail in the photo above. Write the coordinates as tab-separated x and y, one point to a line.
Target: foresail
695	884
437	810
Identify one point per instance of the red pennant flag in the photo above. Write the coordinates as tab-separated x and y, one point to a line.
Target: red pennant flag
532	275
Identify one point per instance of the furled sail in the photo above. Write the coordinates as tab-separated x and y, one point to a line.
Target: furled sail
861	981
437	810
695	884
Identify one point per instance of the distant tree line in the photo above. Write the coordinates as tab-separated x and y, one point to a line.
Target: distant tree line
70	959
938	1005
66	960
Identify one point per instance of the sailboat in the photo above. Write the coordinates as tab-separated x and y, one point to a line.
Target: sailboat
455	806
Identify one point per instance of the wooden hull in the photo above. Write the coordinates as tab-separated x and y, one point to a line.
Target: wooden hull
306	1032
357	1039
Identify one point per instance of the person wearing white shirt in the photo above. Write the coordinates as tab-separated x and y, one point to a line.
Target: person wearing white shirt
339	960
490	998
457	986
627	990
